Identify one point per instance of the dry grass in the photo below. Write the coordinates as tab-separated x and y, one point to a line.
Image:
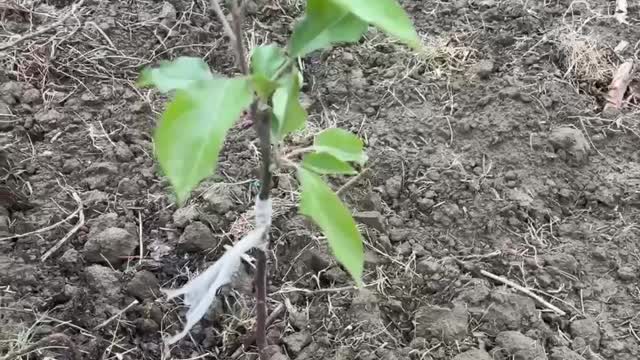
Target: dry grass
585	59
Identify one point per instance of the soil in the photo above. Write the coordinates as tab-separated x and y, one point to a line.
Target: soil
489	155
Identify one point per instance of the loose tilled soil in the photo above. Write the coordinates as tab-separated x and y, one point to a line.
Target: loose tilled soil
489	152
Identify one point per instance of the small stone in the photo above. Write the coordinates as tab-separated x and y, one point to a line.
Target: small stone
103	279
587	329
89	98
316	260
419	343
185	215
393	187
220	200
474	292
197	237
298	319
474	354
372	219
32	96
297	341
372	201
71	165
564	353
484	69
428	267
425	204
144	285
5	222
123	153
445	324
626	273
509	310
570	139
519	346
70	258
563	262
347	58
511	175
397	235
112	245
279	356
146	326
511	92
50	116
128	186
404	249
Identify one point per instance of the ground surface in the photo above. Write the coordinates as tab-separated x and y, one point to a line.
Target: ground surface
489	156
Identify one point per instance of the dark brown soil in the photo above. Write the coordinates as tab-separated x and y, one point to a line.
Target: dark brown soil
489	153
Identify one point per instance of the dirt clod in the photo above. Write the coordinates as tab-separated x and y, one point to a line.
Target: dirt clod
626	273
514	345
184	215
442	323
370	218
112	245
70	258
393	187
588	330
103	280
564	353
570	139
197	237
297	341
564	262
144	285
510	311
473	354
484	69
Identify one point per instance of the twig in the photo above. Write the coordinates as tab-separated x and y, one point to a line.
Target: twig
223	19
44	29
140	237
73	230
119	313
50	227
354	180
523	290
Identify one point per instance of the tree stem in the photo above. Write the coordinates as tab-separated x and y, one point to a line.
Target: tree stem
261	120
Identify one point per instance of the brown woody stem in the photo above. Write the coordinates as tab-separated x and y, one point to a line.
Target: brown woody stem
261	122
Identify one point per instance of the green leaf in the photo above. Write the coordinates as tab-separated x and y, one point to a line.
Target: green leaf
265	62
341	144
177	74
290	114
323	163
324	24
324	207
193	127
387	15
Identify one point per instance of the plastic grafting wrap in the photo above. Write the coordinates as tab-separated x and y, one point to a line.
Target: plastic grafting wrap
200	292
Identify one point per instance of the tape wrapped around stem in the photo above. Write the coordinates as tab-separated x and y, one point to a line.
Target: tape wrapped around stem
200	293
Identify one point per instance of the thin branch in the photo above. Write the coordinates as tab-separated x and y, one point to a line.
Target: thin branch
238	18
73	230
524	291
223	19
262	127
50	227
